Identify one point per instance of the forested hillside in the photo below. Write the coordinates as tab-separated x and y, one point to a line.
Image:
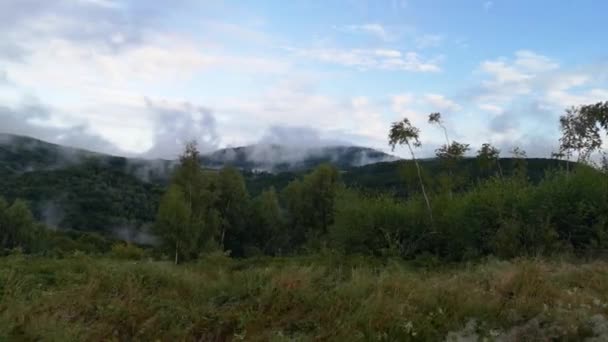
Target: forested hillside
80	190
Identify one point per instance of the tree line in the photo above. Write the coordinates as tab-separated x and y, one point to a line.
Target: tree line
450	216
504	215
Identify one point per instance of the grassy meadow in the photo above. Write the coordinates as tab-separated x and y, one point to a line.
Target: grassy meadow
315	298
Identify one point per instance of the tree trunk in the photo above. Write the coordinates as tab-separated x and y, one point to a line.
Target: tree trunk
499	168
222	238
176	251
447	141
445	132
426	198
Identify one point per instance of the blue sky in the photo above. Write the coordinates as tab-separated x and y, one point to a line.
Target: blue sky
140	77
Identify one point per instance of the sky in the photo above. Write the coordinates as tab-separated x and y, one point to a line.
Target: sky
141	77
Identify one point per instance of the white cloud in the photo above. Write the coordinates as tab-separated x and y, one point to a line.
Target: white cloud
401	101
533	62
504	73
293	102
487	5
363	59
525	96
441	103
491	108
404	105
526	73
565	99
538	77
525	67
161	59
388	53
565	81
96	66
374	29
3	77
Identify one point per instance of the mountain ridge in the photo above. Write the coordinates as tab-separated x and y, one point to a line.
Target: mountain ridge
21	153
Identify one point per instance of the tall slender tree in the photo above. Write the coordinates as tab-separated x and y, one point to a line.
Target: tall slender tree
322	185
404	133
450	153
173	223
435	119
310	205
232	203
267	222
189	189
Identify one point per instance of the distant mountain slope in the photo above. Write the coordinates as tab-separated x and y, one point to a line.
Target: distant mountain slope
21	154
276	158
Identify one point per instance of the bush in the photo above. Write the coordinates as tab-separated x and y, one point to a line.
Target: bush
127	251
94	243
504	217
368	225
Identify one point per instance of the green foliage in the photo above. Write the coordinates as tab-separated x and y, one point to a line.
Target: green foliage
86	197
449	155
369	225
17	226
188	216
126	251
452	178
480	206
232	205
403	133
503	217
488	158
174	224
580	132
598	111
267	225
520	164
310	205
320	189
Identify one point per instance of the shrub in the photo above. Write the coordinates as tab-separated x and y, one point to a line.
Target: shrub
127	251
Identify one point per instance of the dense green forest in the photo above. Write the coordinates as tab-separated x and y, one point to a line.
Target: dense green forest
451	208
97	193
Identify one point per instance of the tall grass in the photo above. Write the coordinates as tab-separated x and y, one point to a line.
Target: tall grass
313	298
